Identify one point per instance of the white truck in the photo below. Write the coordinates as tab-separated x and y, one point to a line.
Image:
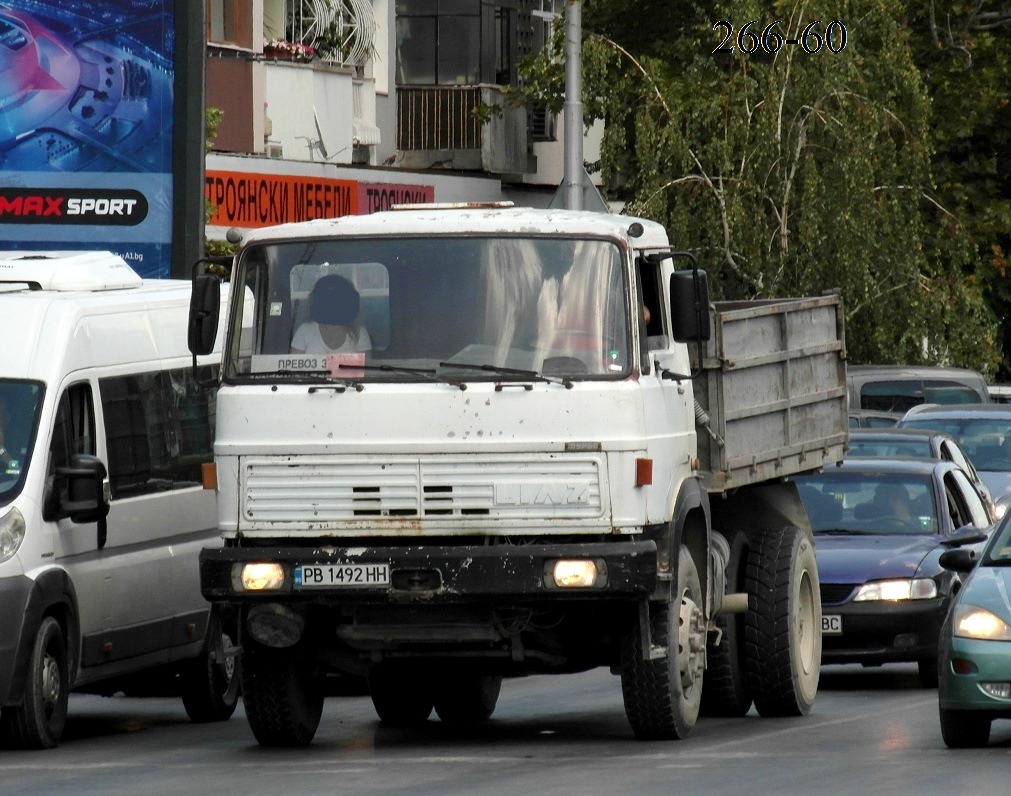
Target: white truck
554	455
103	435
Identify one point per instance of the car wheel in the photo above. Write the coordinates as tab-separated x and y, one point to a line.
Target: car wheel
210	683
964	729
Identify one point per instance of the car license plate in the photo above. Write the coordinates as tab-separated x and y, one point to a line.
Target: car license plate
331	576
831	624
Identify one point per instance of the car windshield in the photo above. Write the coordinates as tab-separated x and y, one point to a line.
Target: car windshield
999	550
838	501
985	440
20	406
443	308
890	448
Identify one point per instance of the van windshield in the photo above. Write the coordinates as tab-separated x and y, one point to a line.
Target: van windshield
20	406
423	308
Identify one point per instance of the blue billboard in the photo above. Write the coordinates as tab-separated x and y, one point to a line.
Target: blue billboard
86	128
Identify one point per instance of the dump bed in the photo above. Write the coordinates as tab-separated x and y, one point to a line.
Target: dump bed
774	385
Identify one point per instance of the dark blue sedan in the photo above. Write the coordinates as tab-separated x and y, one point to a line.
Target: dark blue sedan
880	526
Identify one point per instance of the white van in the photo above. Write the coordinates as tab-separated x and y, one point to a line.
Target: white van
104	431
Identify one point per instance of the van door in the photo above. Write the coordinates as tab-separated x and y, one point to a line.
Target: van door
158	430
76	545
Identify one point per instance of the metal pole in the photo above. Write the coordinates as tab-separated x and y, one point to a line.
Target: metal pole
572	113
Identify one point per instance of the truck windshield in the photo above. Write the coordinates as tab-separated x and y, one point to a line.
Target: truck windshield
20	405
324	309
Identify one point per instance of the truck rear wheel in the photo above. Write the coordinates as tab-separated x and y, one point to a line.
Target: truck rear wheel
401	696
210	683
725	689
283	700
662	696
783	627
463	698
38	722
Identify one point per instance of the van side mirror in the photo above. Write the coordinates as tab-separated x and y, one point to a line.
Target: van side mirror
205	306
79	490
689	298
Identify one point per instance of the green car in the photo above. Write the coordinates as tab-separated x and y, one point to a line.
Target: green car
974	654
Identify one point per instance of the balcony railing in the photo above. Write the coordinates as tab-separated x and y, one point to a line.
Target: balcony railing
437	118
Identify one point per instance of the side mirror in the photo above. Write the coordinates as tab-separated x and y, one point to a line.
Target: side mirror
961	560
967	534
205	307
689	297
82	497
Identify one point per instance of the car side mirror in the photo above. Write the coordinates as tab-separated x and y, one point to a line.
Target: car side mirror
960	560
967	534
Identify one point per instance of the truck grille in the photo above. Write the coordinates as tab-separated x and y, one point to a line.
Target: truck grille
835	593
317	490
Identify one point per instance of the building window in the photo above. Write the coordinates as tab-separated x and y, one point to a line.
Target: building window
453	42
223	21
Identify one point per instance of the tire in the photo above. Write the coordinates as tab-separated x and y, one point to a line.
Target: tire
401	695
38	722
465	698
662	696
783	626
964	729
282	698
927	673
210	683
725	689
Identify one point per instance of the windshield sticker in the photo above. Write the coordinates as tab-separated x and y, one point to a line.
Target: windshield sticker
346	366
277	363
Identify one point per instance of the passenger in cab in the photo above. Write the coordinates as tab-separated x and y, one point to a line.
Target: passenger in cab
334	327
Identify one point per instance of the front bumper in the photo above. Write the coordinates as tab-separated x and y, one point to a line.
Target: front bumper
992	660
885	632
453	574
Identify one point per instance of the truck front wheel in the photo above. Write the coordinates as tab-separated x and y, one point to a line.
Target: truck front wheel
282	698
402	696
662	695
463	698
783	631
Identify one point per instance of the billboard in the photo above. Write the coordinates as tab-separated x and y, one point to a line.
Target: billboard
86	128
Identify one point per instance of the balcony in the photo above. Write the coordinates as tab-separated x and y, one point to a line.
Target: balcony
436	128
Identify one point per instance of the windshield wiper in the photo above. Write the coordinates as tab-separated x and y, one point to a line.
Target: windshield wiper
533	375
428	373
846	532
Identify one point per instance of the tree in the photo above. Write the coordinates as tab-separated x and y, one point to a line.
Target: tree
793	171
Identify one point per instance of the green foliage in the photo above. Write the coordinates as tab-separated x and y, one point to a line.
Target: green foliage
792	173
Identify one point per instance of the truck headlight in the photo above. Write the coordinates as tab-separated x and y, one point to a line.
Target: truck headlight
258	576
901	589
575	573
12	533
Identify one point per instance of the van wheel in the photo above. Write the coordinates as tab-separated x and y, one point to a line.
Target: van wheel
282	698
725	691
662	695
783	629
466	698
401	696
210	683
38	722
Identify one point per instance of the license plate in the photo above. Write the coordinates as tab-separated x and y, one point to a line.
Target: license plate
831	624
340	576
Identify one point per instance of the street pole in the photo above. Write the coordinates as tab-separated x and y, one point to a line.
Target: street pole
572	112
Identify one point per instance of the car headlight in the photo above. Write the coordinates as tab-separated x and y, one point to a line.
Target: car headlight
901	589
971	621
12	532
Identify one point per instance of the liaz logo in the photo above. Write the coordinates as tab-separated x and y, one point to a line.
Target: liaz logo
72	206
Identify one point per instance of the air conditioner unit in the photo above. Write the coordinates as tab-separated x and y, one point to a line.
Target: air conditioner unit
275	151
